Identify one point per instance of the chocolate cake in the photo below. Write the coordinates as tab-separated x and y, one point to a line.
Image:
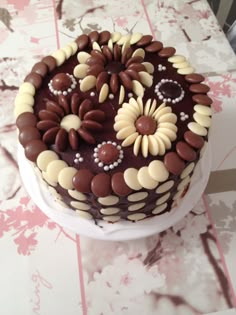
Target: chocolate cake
114	124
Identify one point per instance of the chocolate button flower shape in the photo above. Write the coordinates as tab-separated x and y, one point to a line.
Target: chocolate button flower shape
64	123
114	69
148	127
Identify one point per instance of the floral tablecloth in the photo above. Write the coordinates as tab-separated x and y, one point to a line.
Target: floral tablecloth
44	268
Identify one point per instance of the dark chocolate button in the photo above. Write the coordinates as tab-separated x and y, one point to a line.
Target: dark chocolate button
194	140
61	82
194	78
82	41
41	68
104	37
26	119
96	115
146	125
119	186
91	125
73	139
185	151
101	185
34	79
85	107
82	180
125	80
53	107
50	62
34	148
167	52
199	88
46	124
102	78
170	90
108	153
62	100
107	53
126	55
132	74
117	52
50	135
27	134
154	47
61	140
202	99
86	136
98	54
95	70
135	59
174	163
48	115
114	83
93	60
137	67
74	102
145	40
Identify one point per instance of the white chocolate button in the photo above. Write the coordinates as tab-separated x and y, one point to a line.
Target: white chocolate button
139	52
137	88
80	71
110	45
23	108
162	111
44	158
121	95
48	180
187	170
136	206
204	110
84	214
160	208
164	138
68	51
74	47
153	146
137	145
183	183
87	83
168	125
163	199
135	38
168	132
165	187
108	201
148	66
115	36
83	56
125	46
146	78
158	171
65	177
27	87
185	71
60	57
176	59
161	146
145	179
112	218
202	120
80	205
137	196
77	195
96	46
144	146
109	211
70	121
125	132
169	117
54	168
197	129
180	65
136	216
130	139
123	39
103	93
131	179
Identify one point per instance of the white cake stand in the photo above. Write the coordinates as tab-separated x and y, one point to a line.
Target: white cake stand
120	231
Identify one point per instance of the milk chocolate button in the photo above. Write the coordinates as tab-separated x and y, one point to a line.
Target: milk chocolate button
50	61
167	52
82	41
27	134
104	37
194	78
82	180
194	140
40	68
94	36
174	163
33	149
146	39
154	47
202	99
35	79
185	151
61	140
61	81
119	186
26	119
101	185
199	88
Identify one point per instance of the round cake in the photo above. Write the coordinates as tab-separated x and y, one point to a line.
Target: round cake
114	125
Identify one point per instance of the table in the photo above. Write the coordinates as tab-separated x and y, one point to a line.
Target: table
46	269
